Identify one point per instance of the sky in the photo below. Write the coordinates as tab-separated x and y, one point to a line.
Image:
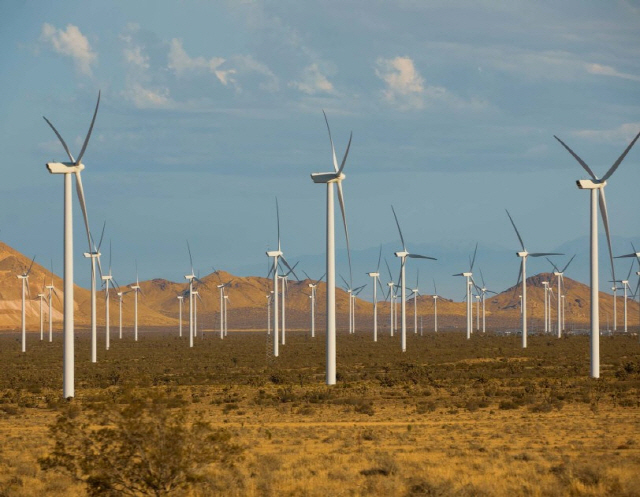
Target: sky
211	110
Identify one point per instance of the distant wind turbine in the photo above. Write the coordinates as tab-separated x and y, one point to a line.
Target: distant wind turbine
331	178
190	278
635	254
435	307
469	281
68	168
313	286
52	291
403	254
221	288
559	274
94	254
135	288
484	291
596	185
180	298
42	296
24	277
376	279
392	298
415	293
107	281
523	274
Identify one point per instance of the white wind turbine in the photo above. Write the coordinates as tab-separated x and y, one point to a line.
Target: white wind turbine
269	313
331	178
221	288
52	291
596	185
392	298
376	279
484	291
67	168
94	254
523	274
135	288
545	284
625	287
180	298
469	282
349	290
415	293
285	289
637	256
559	274
226	322
42	296
107	280
190	278
120	297
403	257
312	297
435	307
24	277
277	255
197	296
354	294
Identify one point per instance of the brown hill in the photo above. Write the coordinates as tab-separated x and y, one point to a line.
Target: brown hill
158	305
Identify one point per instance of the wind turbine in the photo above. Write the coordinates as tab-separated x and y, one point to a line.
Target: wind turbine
403	256
545	284
484	291
25	284
180	298
596	185
135	288
637	256
52	290
312	296
120	296
523	274
469	281
94	254
42	296
107	280
349	290
68	168
269	313
277	255
376	279
435	307
331	178
190	278
221	288
285	289
354	294
559	274
391	294
226	323
415	292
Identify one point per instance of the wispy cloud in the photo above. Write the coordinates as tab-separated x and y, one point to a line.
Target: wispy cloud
602	70
404	86
312	81
622	134
71	43
182	64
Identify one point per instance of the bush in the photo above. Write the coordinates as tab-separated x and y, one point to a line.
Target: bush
142	448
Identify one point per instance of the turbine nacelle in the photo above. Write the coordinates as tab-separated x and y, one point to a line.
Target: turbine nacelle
590	184
402	254
64	167
92	254
327	177
274	253
373	275
522	254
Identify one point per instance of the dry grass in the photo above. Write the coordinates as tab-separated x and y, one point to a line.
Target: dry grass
451	417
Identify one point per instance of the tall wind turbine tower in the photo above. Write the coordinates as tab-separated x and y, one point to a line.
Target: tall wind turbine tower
334	177
69	168
135	288
469	282
403	254
24	277
435	307
596	186
94	254
107	281
312	297
559	274
376	279
523	274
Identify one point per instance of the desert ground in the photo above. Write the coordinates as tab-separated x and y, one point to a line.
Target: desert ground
449	417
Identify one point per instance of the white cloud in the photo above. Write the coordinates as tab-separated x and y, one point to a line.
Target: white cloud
405	87
147	98
181	63
622	134
71	43
313	81
136	57
599	69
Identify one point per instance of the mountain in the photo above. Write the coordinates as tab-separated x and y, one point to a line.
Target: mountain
158	305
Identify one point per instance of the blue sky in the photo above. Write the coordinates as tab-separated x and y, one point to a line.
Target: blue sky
212	109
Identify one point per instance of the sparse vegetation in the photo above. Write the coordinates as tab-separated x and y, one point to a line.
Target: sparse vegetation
516	421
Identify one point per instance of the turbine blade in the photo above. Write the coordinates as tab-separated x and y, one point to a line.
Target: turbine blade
30	266
388	269
380	284
346	153
416	256
109	257
320	279
379	257
605	221
482	279
333	150
435	289
404	247
66	149
630	269
306	275
190	258
104	225
517	232
345	282
555	268
582	163
278	221
86	140
565	268
620	159
541	254
346	231
473	261
83	205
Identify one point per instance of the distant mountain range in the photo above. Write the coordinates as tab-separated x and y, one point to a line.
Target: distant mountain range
158	304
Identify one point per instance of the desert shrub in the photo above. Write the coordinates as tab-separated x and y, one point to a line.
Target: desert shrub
144	448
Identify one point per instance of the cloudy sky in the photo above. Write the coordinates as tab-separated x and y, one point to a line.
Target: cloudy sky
212	109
